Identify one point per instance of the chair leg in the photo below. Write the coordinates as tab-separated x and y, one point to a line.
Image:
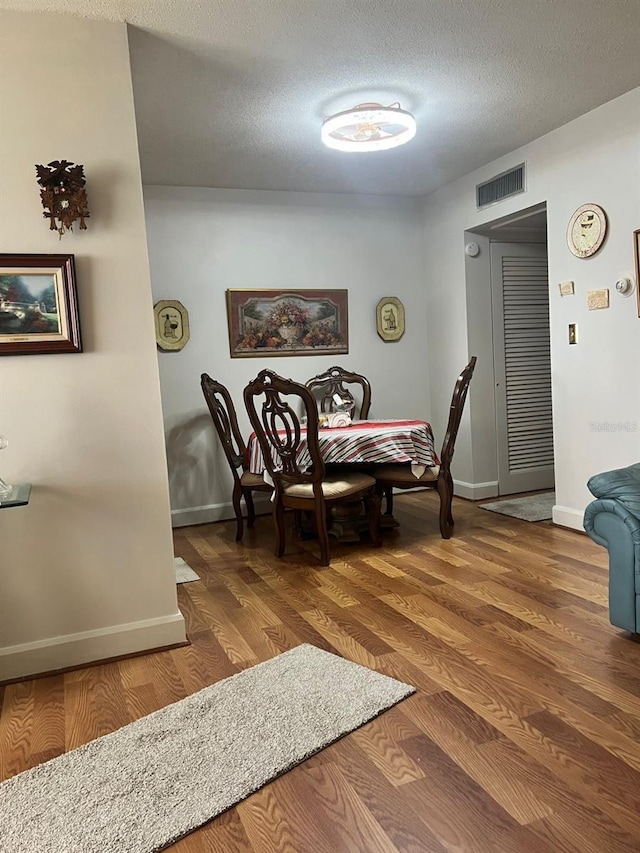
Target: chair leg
445	490
323	535
373	504
251	510
388	494
237	506
278	522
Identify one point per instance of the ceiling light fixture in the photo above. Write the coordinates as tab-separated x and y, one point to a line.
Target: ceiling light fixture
368	127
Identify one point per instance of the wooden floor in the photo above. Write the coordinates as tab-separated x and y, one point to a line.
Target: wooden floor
524	733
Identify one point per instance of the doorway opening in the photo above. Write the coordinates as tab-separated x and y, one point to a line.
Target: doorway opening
513	279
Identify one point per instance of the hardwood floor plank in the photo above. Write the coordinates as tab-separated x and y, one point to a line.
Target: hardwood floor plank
344	811
94	706
462	815
383	750
16	728
402	824
619	784
224	834
48	716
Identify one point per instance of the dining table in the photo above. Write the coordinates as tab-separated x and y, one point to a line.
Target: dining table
393	441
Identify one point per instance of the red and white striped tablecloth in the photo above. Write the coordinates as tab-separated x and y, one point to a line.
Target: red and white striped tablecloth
379	442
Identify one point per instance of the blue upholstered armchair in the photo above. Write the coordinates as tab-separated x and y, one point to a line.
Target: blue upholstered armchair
613	520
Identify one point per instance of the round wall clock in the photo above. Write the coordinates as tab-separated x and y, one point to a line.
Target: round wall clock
587	230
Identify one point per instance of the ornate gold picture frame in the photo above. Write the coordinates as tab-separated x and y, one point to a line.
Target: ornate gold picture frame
390	318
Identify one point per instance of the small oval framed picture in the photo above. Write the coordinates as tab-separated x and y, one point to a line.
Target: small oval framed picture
172	325
390	318
586	230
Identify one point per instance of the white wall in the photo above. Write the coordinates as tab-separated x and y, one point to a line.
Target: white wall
204	241
596	384
86	570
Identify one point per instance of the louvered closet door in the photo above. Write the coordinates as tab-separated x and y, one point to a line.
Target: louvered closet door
522	364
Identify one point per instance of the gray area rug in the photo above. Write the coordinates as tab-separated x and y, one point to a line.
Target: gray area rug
184	572
530	508
142	787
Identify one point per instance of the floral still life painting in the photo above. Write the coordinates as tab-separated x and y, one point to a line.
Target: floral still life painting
287	322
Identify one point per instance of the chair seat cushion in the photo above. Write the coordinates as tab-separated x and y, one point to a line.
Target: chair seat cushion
333	486
252	480
393	474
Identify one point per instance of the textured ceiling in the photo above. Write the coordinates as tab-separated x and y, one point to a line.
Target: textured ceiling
232	94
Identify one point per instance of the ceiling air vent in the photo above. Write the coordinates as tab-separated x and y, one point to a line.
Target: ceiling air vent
502	186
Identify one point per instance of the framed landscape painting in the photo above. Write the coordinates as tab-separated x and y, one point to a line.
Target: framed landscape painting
287	322
38	305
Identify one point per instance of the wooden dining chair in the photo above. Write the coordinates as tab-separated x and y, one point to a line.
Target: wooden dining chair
389	477
273	403
223	415
333	381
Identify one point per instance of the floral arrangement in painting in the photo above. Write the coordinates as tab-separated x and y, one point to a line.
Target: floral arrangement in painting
288	313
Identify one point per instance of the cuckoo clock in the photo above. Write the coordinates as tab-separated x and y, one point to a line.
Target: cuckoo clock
63	195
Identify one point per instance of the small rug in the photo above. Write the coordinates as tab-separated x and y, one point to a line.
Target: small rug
531	508
142	787
184	572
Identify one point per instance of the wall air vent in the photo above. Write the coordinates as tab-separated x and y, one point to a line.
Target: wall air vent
502	186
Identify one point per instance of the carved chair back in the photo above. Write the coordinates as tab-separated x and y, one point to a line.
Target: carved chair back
332	382
223	415
273	403
455	414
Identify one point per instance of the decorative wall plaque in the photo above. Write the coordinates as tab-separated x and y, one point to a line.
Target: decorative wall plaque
566	288
172	325
586	230
390	318
597	299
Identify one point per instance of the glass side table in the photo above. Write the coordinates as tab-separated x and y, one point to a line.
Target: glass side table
18	496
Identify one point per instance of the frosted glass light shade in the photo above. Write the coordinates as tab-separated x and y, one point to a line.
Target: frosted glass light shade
368	127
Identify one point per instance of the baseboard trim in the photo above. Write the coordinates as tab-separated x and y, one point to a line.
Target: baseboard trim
215	512
567	517
72	650
475	491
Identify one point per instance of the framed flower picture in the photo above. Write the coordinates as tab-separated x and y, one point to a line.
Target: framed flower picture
287	322
38	305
